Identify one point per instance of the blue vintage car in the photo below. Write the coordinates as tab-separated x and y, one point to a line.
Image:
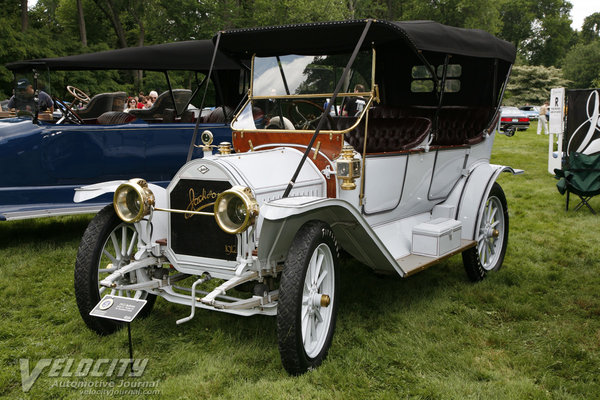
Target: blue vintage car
45	156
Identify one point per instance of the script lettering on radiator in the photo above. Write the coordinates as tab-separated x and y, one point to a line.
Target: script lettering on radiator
198	202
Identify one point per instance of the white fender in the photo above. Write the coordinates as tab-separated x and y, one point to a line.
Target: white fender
89	192
281	219
469	196
159	219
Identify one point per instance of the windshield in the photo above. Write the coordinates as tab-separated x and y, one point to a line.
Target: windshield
291	92
305	75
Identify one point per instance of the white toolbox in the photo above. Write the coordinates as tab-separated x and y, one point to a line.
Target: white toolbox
437	237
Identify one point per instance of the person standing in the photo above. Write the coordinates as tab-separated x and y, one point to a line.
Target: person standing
543	119
355	105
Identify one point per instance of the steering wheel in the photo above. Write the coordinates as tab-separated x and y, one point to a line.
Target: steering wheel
78	94
67	112
311	123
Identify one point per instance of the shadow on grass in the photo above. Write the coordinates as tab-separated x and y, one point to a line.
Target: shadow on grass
363	296
50	230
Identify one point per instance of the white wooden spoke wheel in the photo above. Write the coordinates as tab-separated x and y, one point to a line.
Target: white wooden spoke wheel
491	237
107	245
491	229
319	287
117	252
307	305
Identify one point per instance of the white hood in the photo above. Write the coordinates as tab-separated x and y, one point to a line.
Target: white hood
266	172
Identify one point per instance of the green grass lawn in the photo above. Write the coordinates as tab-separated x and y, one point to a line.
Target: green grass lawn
531	330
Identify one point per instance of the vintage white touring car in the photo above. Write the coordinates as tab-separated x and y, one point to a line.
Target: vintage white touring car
370	136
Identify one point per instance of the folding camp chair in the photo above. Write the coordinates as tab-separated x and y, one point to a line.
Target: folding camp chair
581	177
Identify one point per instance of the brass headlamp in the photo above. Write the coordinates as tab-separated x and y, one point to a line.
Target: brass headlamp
235	209
347	168
133	200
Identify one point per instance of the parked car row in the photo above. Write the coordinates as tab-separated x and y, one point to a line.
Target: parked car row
45	157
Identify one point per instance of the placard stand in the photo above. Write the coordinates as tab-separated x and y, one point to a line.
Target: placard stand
122	309
130	348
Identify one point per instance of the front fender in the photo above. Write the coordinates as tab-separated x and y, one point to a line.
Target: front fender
159	219
282	218
89	192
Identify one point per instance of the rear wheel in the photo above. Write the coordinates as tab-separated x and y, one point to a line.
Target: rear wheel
107	244
307	298
491	236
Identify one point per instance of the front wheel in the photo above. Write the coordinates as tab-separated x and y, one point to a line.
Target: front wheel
307	298
107	245
491	236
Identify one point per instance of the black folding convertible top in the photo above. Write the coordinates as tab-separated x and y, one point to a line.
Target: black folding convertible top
192	55
342	36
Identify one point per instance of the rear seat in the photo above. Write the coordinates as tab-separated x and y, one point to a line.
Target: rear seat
459	126
397	129
388	131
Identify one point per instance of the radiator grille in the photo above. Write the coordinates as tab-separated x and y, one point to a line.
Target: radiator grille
199	235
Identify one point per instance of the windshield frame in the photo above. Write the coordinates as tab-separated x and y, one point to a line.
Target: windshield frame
370	96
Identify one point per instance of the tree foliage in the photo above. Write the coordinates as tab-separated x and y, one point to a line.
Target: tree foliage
531	84
539	28
590	30
582	65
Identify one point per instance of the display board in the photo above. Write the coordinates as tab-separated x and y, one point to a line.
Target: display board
582	133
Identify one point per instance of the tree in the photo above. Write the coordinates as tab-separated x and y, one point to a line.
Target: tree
590	29
480	14
24	18
582	65
81	23
112	11
65	17
539	29
531	84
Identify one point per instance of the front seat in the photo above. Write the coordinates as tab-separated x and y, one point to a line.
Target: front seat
101	103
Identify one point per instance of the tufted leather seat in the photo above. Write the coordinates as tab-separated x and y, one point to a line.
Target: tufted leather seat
397	129
459	126
115	118
218	116
387	132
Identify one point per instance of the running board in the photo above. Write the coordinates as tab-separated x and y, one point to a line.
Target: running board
412	263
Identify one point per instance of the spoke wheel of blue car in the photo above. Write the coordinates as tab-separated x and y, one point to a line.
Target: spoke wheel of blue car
107	245
307	306
491	237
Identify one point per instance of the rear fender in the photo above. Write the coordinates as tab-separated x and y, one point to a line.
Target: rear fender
281	219
470	197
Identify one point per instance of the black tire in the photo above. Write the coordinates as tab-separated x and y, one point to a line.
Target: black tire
487	239
89	259
314	238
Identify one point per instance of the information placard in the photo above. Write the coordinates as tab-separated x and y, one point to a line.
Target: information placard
556	110
119	308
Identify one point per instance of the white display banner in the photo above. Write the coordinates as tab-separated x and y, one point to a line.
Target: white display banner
557	110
